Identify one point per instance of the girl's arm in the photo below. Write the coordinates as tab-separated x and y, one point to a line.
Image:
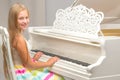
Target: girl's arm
27	61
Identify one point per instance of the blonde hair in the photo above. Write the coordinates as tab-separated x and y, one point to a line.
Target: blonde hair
12	28
12	19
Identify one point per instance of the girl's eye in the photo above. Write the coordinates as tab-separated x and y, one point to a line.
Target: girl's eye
27	17
21	18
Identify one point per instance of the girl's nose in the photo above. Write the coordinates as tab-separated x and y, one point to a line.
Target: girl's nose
25	20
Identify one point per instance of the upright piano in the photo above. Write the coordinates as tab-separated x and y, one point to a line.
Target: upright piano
77	38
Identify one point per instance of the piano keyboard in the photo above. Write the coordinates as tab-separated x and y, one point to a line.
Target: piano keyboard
66	65
64	58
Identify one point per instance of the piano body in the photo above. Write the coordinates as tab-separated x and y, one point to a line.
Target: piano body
100	61
83	55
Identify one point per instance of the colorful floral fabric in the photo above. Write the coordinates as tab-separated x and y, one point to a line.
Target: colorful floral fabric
39	74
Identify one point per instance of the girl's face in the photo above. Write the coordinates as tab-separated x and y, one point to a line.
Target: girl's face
23	20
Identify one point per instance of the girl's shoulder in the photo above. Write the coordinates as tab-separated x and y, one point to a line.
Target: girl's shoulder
18	39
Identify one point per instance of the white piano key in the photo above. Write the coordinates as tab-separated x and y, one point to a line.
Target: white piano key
66	65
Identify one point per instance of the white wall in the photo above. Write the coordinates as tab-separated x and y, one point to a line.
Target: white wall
51	8
110	8
3	12
43	11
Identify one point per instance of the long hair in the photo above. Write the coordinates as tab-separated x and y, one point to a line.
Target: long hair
12	19
13	28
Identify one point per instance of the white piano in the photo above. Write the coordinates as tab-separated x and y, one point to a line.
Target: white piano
85	53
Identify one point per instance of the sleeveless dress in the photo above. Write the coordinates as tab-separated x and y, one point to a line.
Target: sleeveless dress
23	73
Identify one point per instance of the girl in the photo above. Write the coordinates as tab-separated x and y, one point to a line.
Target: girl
26	68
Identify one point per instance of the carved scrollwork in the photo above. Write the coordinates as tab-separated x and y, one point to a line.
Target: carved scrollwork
78	21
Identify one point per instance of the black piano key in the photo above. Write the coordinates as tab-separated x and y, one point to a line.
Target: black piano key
64	58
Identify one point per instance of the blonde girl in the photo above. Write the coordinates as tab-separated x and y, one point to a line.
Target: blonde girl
26	68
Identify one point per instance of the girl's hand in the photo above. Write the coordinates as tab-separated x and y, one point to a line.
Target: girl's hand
52	60
37	56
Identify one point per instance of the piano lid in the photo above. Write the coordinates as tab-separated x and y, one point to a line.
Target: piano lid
110	8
